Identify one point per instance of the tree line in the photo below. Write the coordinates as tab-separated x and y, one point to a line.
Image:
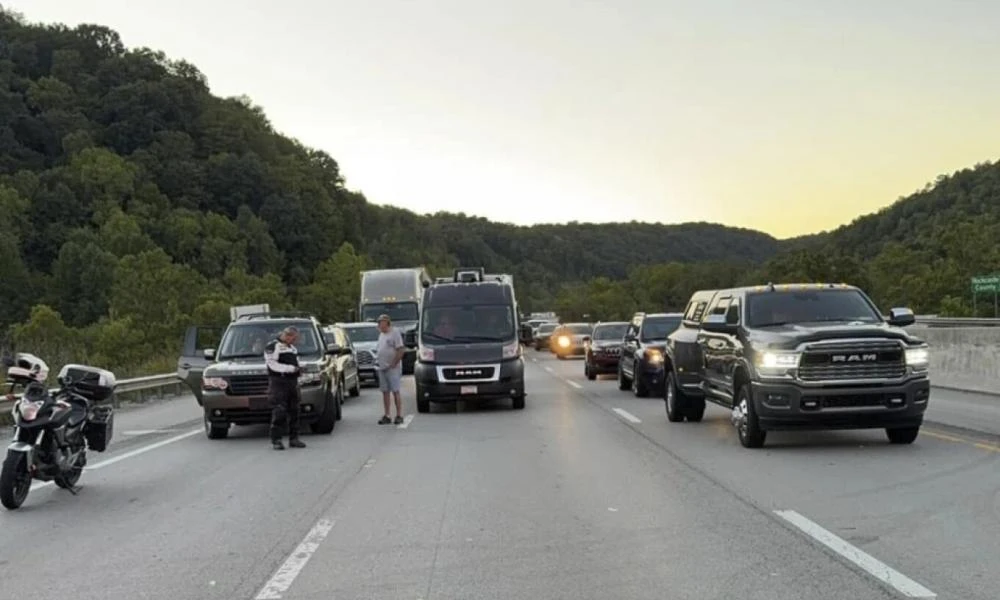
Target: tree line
134	203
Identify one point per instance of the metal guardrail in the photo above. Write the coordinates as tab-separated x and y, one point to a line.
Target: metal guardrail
957	322
124	386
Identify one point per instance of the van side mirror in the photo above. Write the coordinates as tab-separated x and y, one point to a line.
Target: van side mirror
901	317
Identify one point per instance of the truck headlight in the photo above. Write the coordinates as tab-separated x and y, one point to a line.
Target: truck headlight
918	358
777	363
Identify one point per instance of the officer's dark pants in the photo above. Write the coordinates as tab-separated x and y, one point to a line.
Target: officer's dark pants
283	393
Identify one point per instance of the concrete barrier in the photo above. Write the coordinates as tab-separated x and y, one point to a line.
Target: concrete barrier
963	358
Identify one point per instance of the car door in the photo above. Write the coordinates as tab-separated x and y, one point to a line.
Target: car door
630	347
350	359
197	352
713	347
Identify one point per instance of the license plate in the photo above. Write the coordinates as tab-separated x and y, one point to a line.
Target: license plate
469	389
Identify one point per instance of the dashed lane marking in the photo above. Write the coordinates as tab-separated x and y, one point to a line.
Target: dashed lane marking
621	412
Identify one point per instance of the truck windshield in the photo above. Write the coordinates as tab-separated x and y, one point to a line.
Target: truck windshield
363	333
610	332
770	309
397	311
658	328
474	323
247	340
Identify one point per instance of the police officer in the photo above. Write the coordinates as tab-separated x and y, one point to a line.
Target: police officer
282	359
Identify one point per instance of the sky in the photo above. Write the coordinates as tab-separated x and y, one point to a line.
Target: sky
786	116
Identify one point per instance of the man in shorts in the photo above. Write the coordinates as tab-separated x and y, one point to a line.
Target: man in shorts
389	364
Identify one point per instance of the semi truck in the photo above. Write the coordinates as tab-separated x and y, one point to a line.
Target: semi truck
398	293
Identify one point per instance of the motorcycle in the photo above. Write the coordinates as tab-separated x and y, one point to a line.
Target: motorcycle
54	430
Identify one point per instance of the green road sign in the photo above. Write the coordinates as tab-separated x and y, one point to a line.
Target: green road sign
987	283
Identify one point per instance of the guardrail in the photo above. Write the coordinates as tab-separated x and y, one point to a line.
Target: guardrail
137	385
958	322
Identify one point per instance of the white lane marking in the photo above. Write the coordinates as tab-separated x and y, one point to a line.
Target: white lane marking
368	463
406	422
627	415
143	450
574	384
871	565
41	484
285	576
533	359
549	369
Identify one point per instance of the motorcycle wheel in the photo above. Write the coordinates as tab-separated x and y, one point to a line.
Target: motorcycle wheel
70	479
15	481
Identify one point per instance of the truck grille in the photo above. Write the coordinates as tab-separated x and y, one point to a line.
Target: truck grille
247	385
467	373
877	359
365	358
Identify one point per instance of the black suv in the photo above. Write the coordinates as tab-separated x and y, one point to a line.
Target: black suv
641	365
604	348
797	356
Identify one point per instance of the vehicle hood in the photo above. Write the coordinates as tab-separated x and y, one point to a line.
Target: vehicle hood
405	326
787	337
468	354
606	344
365	346
660	345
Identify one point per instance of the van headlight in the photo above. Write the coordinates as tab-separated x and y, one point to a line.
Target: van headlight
918	358
512	350
425	354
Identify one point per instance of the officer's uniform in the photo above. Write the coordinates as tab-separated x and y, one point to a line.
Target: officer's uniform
283	391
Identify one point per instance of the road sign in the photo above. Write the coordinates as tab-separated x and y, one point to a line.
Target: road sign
987	283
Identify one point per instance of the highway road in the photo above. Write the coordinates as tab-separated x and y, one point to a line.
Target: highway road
587	493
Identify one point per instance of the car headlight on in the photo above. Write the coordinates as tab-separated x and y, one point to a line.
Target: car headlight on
918	358
512	350
563	341
654	356
777	363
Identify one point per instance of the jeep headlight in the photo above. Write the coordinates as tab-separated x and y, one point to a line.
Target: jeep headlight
777	363
918	358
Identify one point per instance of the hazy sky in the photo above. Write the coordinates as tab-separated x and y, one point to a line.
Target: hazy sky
788	116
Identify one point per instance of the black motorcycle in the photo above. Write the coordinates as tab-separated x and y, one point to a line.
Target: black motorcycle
53	430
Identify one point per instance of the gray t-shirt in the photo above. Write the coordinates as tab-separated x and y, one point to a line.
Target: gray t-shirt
385	350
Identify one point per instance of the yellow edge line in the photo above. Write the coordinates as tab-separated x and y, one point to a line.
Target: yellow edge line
961	440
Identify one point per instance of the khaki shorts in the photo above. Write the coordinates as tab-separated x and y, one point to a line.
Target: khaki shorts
390	380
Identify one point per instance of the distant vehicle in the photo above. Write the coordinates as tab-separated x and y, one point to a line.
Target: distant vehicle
798	356
542	334
339	345
468	342
397	293
568	340
230	382
604	348
364	338
641	363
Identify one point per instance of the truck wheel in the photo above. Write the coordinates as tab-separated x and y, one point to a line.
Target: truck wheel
745	418
639	387
423	404
695	409
215	431
676	403
902	435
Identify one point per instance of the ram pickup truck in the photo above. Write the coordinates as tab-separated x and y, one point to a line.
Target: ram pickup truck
797	357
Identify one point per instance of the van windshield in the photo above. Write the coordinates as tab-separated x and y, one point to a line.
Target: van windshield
470	323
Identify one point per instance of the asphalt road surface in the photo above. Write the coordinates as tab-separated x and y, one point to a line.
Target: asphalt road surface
587	493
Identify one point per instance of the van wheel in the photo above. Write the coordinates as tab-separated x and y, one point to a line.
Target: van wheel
423	404
517	402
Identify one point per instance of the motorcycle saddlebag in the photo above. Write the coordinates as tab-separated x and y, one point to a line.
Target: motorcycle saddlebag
99	428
